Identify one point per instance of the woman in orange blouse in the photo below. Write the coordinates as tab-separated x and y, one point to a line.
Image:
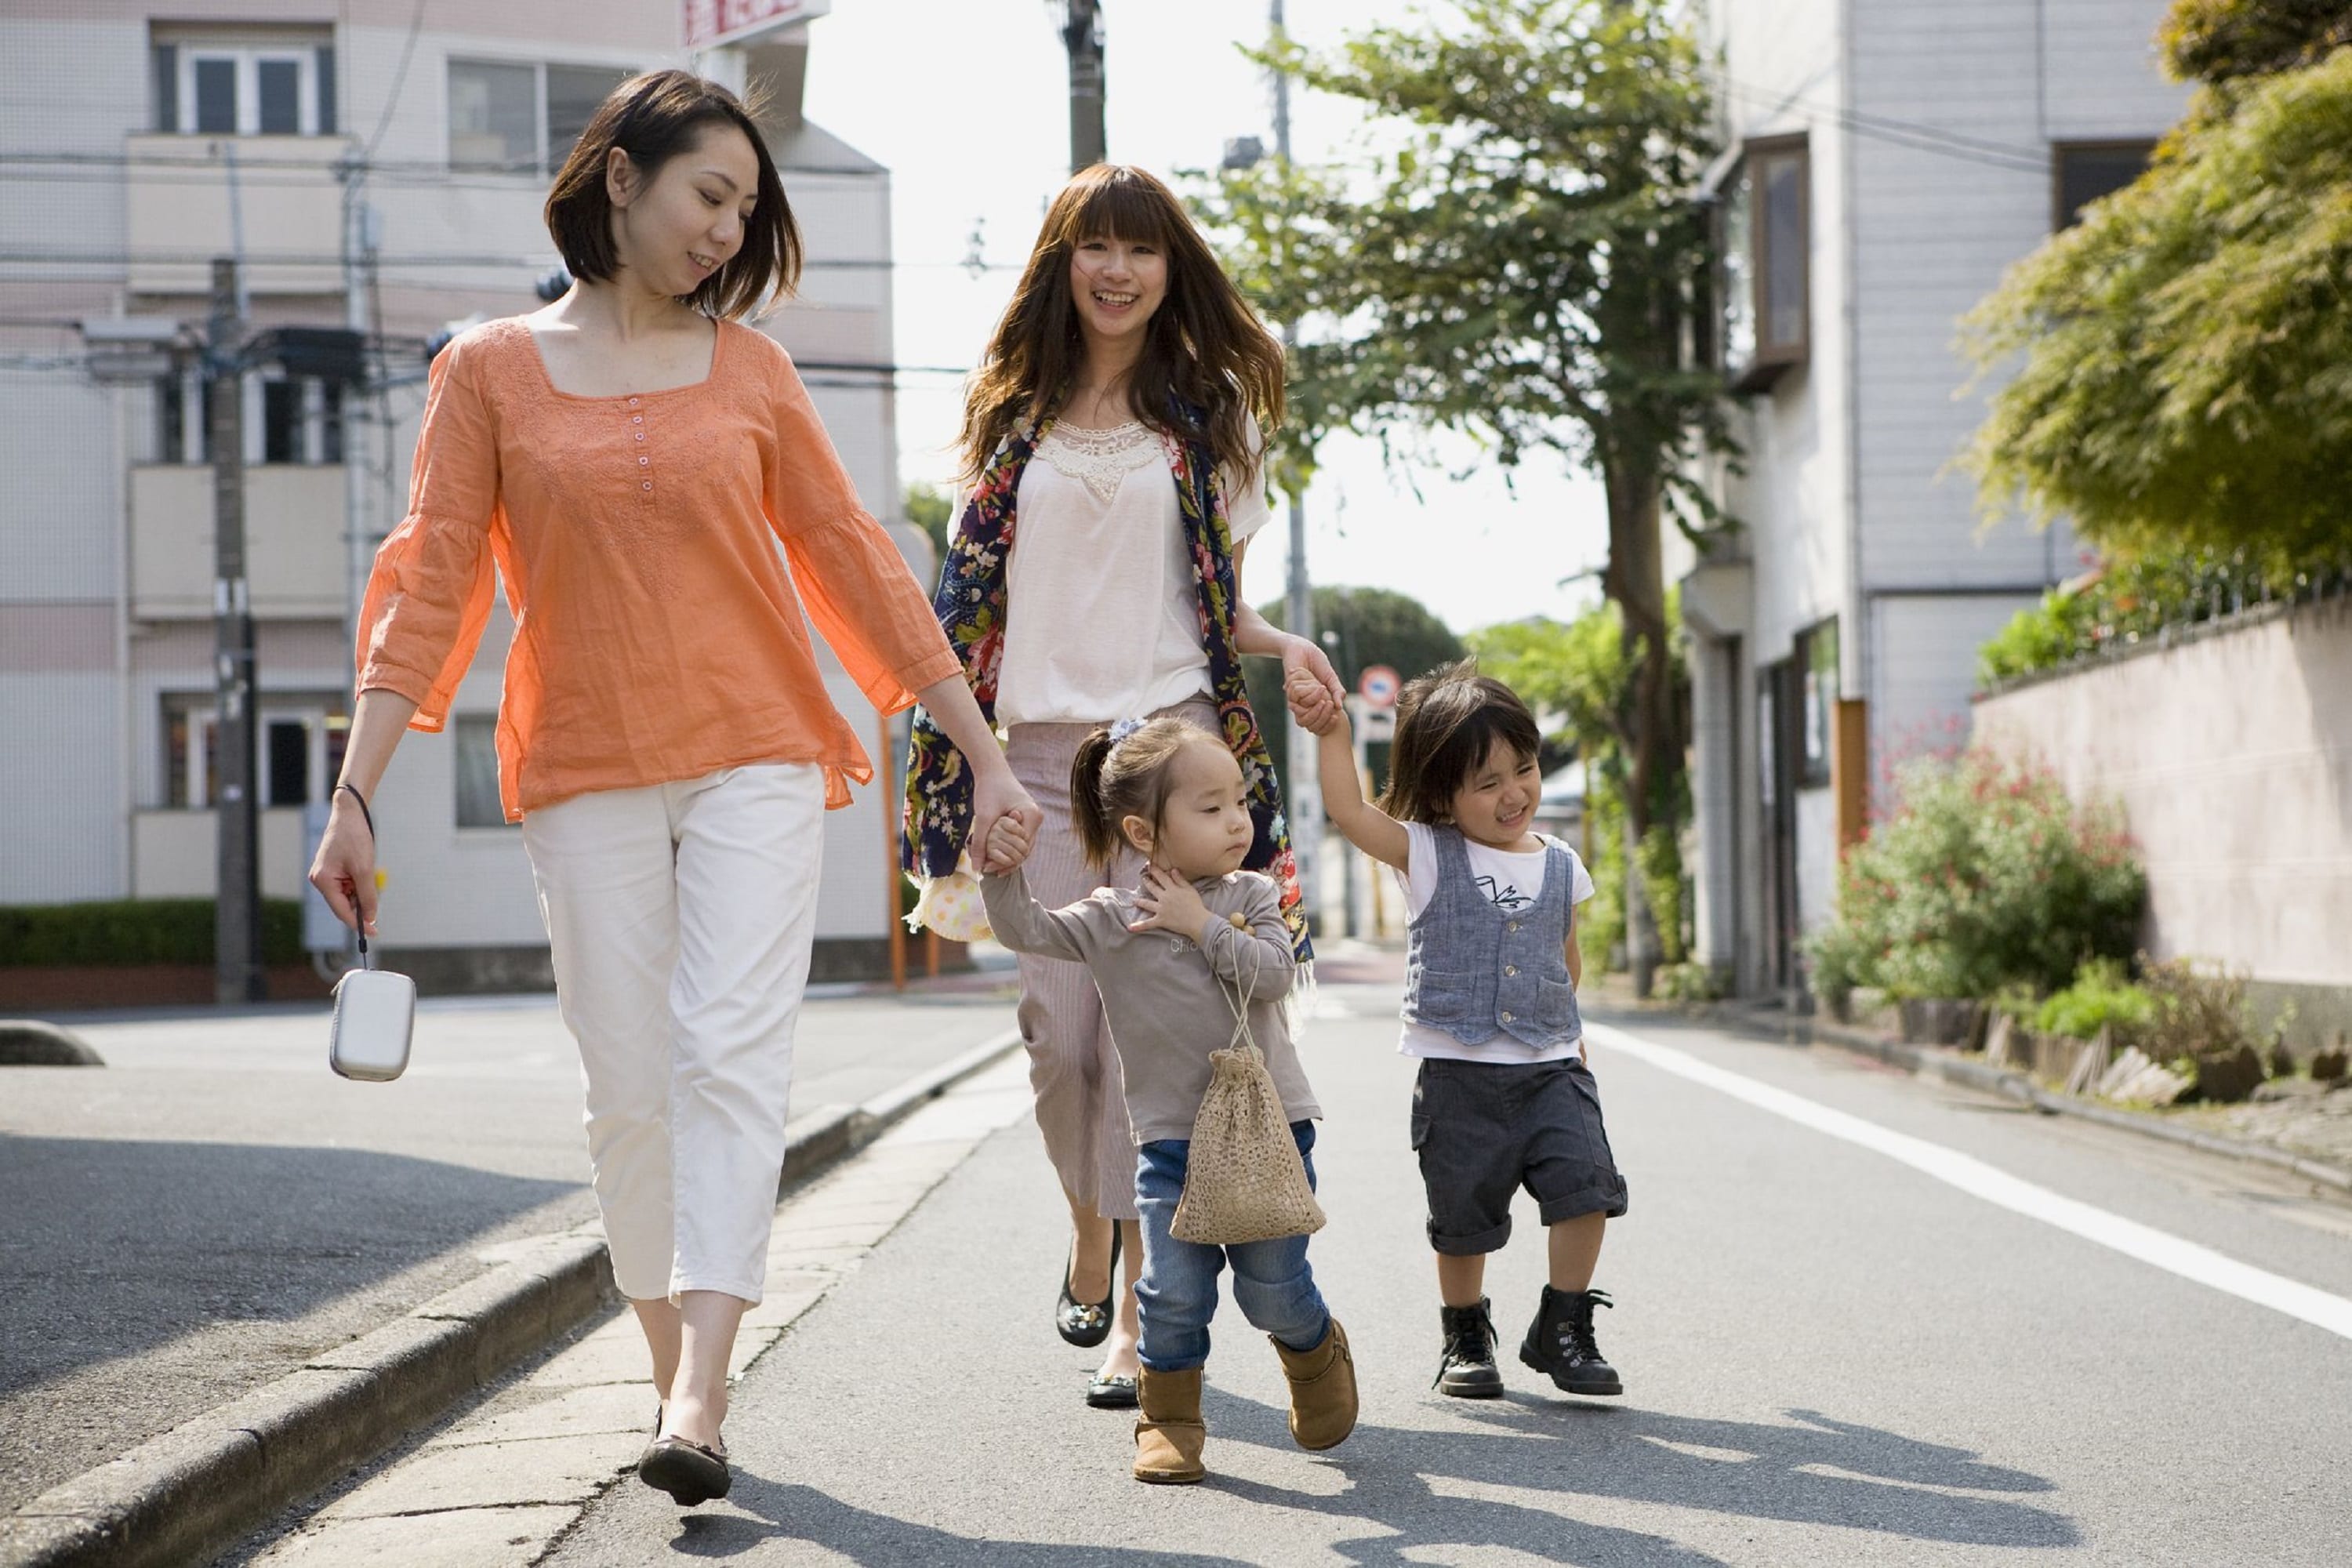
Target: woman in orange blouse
628	459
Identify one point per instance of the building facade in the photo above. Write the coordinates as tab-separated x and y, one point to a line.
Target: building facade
373	164
1885	164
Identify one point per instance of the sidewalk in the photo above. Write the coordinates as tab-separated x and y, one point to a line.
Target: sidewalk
214	1208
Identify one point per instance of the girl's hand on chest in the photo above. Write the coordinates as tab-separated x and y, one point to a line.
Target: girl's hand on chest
1169	902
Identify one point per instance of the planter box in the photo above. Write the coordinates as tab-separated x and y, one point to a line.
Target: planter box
1938	1021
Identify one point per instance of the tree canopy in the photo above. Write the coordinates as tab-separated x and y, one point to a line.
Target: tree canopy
2220	40
2185	351
1514	258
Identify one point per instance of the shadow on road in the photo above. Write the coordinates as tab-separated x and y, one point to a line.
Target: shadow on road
115	1249
781	1510
1817	1471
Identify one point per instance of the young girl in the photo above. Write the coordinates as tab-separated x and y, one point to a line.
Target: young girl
1504	1098
1172	958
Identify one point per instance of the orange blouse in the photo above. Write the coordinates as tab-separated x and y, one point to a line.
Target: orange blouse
658	635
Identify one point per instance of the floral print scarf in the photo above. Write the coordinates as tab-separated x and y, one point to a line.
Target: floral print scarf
971	605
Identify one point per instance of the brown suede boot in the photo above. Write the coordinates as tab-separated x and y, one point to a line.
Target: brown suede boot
1322	1390
1169	1431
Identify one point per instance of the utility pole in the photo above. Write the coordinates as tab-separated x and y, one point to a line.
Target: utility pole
1306	807
236	943
1082	35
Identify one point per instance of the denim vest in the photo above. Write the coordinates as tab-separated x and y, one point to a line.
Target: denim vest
1476	971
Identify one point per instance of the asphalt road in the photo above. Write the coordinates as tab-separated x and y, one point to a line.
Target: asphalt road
213	1205
1860	1318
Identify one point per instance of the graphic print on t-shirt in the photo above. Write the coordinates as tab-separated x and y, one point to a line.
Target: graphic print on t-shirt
1504	894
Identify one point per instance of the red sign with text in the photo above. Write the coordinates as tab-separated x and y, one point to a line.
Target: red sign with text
710	22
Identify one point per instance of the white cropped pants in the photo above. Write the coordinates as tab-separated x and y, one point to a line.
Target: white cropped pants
680	918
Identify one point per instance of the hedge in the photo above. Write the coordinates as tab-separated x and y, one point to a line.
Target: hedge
134	930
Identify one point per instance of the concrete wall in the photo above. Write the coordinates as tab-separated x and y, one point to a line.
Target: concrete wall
2231	755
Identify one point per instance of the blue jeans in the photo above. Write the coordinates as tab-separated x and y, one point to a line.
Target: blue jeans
1178	1293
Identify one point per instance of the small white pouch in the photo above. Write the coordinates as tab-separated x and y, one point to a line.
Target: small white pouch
375	1011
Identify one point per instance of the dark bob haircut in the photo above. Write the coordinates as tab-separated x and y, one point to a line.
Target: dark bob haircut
1448	723
653	118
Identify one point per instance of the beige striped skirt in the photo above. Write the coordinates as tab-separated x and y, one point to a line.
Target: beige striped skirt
1073	1067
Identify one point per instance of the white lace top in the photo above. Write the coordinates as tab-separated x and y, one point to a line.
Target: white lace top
1104	621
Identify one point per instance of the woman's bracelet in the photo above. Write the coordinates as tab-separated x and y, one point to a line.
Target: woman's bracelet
365	814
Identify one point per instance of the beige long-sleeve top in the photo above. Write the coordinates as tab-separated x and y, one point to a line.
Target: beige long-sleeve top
1160	988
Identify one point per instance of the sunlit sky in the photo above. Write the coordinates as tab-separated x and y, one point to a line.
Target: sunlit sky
966	102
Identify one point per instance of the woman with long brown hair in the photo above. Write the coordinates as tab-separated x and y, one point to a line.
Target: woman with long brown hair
628	459
1119	417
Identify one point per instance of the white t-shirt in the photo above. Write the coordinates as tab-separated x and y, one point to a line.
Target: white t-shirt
1510	881
1106	619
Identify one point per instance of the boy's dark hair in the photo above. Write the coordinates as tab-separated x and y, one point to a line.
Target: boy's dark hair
1448	722
1113	779
653	118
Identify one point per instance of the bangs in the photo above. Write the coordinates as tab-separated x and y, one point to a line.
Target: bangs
1115	205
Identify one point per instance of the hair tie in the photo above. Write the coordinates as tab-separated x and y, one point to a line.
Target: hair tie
1124	728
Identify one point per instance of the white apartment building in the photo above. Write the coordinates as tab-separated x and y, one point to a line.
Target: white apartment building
376	163
1887	160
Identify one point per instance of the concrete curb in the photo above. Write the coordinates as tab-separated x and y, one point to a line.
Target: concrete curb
195	1491
1951	1066
30	1043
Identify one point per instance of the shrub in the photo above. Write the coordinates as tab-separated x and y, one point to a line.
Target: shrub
135	930
2125	602
2101	998
1986	876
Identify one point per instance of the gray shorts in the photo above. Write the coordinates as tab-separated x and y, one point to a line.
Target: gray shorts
1485	1129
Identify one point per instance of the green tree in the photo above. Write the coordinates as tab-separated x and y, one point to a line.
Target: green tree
931	510
1515	262
1580	674
2220	40
2185	351
1359	627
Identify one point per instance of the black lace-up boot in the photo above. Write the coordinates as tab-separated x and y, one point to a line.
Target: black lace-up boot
1559	1342
1466	1369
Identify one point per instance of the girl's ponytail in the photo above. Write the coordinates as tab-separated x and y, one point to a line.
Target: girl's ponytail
1090	814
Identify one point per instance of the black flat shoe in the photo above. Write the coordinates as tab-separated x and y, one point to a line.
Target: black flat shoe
1114	1393
689	1472
653	1436
1086	1324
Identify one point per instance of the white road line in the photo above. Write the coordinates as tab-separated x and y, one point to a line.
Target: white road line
1971	1175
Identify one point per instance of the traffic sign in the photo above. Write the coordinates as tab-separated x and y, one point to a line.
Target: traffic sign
1378	685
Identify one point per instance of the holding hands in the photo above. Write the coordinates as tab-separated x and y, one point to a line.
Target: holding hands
1314	705
1169	902
1005	820
1311	686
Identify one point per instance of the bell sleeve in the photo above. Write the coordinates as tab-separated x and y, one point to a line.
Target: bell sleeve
851	579
428	597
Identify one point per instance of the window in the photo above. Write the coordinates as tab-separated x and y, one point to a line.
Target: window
521	118
478	771
302	421
1817	665
2083	172
1766	267
266	82
299	749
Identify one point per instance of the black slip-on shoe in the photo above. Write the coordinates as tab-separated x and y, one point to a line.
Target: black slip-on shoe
1086	1324
689	1472
1114	1393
